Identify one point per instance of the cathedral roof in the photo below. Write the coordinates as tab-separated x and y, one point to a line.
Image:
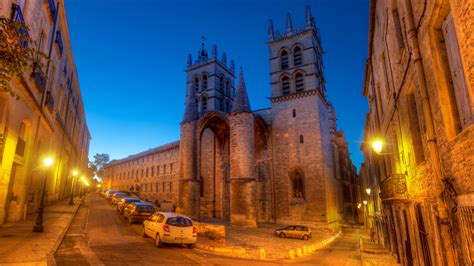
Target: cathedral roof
241	100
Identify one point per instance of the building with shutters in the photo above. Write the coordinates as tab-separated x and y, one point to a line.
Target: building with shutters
419	82
49	120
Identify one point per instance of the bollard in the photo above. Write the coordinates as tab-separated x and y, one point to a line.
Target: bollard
262	254
299	252
305	250
291	254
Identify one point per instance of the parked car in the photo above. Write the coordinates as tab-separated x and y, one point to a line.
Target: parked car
138	211
124	202
118	196
170	227
294	231
110	193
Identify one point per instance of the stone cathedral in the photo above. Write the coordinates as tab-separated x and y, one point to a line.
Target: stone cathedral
284	164
276	164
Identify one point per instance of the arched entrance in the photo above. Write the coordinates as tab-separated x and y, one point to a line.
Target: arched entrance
213	167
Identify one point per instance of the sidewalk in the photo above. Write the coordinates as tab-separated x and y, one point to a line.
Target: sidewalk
20	245
373	254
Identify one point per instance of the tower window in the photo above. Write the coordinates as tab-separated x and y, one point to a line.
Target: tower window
204	82
297	180
294	113
301	139
298	56
196	83
221	83
284	60
203	105
285	85
299	82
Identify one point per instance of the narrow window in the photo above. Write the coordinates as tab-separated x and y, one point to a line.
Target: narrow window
204	104
415	130
285	85
294	113
301	139
152	171
228	88
221	83
204	82
284	60
157	188
398	26
299	82
297	56
196	83
146	172
298	185
171	168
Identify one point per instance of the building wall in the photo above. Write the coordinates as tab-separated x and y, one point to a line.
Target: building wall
151	174
48	121
415	82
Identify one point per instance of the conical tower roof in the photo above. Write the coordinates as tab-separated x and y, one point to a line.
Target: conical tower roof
241	100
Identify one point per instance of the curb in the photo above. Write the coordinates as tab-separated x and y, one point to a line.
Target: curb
293	253
50	260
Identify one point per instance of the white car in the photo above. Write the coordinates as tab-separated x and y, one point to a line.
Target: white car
170	227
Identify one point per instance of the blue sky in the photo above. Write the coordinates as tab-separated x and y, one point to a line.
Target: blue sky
131	57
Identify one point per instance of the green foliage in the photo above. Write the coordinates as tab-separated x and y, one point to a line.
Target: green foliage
96	167
17	56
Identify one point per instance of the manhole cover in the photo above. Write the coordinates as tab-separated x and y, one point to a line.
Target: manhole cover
7	235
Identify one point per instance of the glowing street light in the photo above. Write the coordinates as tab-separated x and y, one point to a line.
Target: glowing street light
359	205
377	145
38	227
75	172
365	202
368	190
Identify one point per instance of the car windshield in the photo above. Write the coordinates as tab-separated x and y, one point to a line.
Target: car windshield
145	209
179	221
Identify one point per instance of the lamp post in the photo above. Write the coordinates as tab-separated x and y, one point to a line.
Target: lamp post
74	174
38	227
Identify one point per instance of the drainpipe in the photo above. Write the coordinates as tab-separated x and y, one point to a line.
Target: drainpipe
431	137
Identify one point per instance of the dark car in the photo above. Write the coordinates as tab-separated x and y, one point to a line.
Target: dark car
138	211
294	231
118	196
124	202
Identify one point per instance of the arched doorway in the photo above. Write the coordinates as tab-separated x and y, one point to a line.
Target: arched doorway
213	167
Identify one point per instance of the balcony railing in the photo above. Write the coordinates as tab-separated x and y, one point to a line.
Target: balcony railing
39	77
394	187
22	32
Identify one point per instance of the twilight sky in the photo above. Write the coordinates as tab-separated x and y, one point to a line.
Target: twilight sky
131	57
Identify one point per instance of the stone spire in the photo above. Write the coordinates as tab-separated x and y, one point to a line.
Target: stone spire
224	58
191	109
190	60
289	25
270	28
214	51
309	18
241	100
232	65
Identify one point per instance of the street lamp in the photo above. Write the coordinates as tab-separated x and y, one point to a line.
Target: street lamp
74	174
377	145
365	202
38	227
368	190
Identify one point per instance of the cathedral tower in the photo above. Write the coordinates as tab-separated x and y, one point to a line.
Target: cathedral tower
212	81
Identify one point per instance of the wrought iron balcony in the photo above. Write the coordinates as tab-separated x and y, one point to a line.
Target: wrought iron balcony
394	187
22	32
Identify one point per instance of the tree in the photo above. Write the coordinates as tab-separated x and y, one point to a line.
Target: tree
96	167
17	56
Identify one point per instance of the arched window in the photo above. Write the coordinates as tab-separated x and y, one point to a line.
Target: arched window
297	179
299	82
285	85
204	104
297	56
221	83
204	82
196	83
284	60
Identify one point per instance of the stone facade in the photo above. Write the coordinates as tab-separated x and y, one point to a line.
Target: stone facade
49	119
279	164
419	83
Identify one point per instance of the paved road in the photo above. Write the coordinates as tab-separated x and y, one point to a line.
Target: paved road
98	236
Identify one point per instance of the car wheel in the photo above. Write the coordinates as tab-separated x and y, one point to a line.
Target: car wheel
191	246
305	237
158	242
282	235
144	233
